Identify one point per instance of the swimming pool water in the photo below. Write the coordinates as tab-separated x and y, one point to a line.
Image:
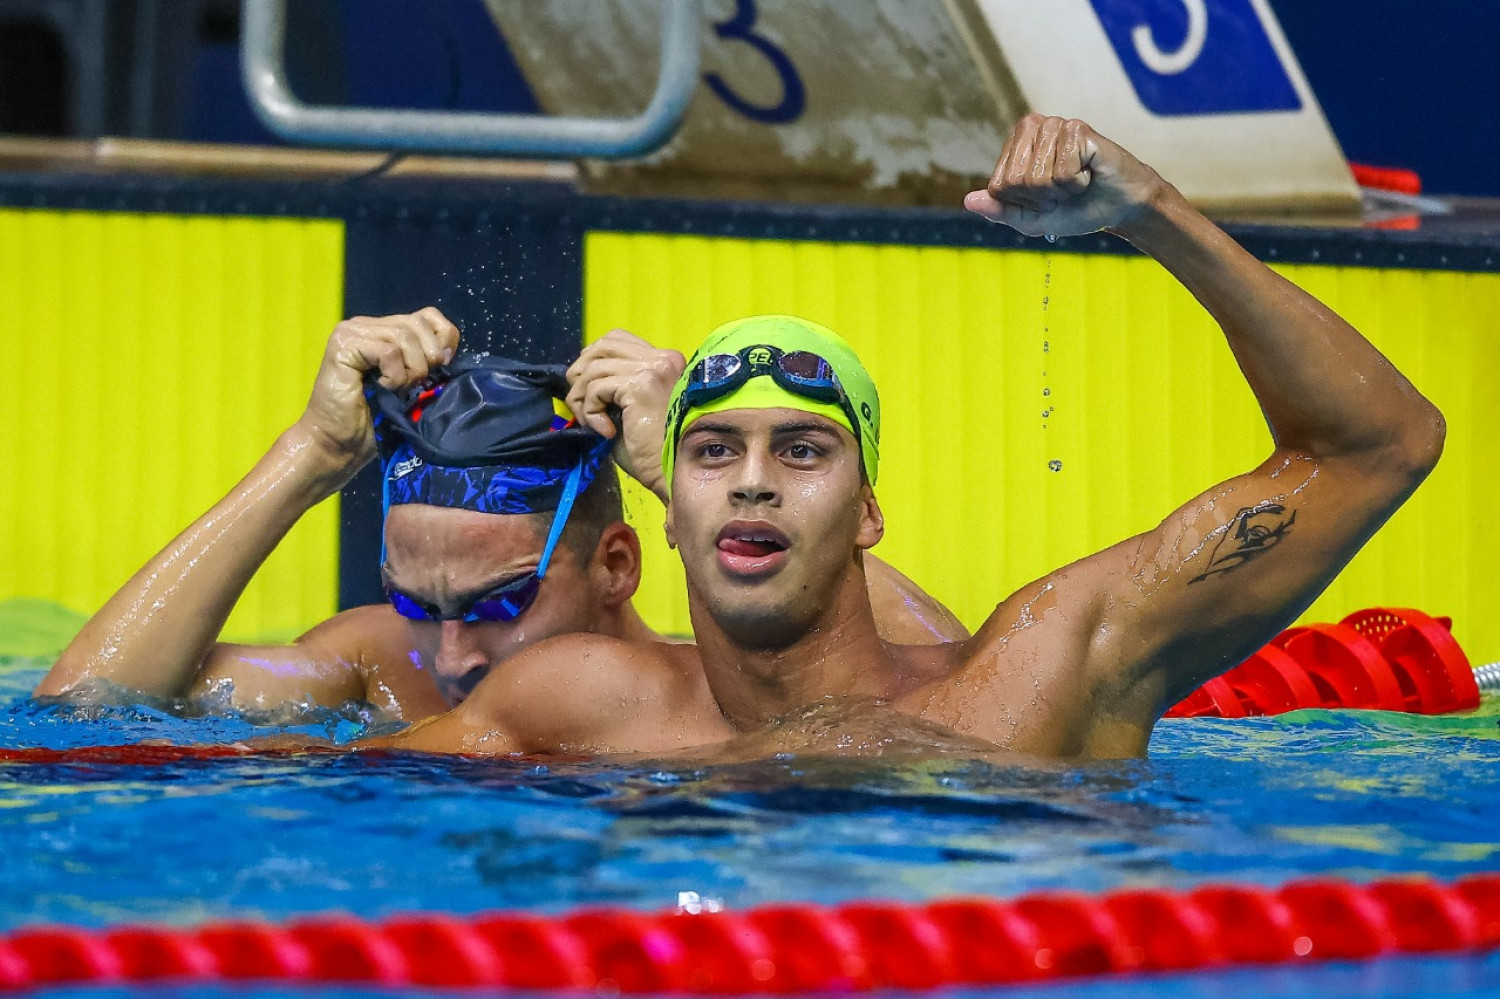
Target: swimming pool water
1357	795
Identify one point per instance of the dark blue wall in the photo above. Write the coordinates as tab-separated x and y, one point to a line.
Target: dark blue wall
1407	83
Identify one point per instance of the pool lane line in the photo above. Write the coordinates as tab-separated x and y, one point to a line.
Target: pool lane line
791	947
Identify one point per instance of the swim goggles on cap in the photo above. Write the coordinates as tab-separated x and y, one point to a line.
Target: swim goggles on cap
800	372
509	600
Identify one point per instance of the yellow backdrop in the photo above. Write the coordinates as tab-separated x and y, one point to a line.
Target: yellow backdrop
1040	406
152	359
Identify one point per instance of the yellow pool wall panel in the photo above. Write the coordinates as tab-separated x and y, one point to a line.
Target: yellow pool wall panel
1040	406
157	357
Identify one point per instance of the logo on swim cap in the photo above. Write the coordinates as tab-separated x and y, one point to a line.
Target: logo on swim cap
401	469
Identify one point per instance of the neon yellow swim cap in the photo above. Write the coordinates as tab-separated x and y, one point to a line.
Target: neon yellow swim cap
787	334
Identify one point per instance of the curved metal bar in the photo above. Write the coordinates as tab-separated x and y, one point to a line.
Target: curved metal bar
264	72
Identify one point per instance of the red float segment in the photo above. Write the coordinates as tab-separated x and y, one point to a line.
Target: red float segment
1342	921
1483	893
1254	925
57	955
147	954
729	954
1165	932
444	951
796	948
552	955
905	947
1393	659
1346	667
812	949
631	952
1398	179
253	951
1014	941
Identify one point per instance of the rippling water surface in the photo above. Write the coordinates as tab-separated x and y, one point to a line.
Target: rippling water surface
1358	795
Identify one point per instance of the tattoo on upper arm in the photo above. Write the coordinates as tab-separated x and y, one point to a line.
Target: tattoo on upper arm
1254	531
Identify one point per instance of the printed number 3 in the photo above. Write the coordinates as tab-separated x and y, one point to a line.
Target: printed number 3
741	28
1172	63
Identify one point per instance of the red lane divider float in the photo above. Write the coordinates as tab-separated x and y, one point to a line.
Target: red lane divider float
1397	179
1389	658
794	948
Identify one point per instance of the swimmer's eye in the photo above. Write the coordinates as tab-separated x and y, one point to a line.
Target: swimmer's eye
802	452
712	451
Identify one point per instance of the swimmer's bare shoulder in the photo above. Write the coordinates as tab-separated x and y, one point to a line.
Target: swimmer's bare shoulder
578	694
1023	680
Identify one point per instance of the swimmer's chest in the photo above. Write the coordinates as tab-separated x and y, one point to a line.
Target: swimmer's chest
1027	692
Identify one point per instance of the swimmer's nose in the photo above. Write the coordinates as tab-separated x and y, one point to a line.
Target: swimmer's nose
753	482
460	663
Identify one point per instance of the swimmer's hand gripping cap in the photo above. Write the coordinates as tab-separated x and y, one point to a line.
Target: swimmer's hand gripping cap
787	333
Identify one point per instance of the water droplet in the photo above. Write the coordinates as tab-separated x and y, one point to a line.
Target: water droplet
1055	465
1046	391
1046	412
1046	346
1051	237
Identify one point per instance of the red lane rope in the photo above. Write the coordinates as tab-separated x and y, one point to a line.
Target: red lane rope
790	948
1388	658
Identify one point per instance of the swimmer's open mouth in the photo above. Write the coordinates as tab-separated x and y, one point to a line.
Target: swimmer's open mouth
752	540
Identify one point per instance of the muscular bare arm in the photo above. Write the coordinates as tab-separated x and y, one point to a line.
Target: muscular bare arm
1353	438
157	635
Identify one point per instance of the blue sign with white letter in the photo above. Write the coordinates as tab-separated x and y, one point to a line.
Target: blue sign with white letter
1197	57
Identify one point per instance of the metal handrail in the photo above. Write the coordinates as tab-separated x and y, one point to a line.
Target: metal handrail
263	68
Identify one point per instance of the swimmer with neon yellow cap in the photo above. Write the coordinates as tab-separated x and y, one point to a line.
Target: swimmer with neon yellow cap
770	362
768	450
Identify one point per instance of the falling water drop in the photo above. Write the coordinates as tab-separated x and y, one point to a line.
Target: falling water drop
1051	237
1055	465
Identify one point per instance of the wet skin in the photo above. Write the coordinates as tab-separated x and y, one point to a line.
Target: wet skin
772	518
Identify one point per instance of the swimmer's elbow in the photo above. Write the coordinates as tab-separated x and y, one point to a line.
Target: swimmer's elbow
1400	449
1419	445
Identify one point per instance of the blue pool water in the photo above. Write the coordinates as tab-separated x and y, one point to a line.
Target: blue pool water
1358	795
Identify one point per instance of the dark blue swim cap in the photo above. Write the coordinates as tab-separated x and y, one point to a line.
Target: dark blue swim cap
483	433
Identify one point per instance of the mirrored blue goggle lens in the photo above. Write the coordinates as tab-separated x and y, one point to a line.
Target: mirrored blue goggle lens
407	607
506	604
716	369
808	369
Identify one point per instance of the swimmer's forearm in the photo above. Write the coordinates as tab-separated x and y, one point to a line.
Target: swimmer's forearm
153	635
1323	387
